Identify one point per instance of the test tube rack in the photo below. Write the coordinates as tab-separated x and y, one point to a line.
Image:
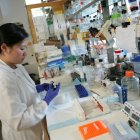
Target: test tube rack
81	91
93	129
89	107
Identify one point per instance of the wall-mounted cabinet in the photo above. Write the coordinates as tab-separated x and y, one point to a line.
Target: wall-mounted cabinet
56	6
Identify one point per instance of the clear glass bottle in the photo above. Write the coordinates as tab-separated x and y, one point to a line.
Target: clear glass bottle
91	23
94	24
116	15
99	18
130	84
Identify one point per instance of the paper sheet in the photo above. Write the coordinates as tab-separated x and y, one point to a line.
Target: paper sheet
126	38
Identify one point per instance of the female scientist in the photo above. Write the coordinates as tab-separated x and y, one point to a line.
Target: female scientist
21	109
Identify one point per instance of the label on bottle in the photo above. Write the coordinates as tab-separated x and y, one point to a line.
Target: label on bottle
116	15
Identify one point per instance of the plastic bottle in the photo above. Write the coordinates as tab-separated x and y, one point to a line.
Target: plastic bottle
91	23
116	15
125	21
130	84
99	19
123	7
89	70
121	92
99	72
118	90
94	24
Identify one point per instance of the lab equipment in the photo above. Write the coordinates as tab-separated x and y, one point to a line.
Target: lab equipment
42	87
130	84
51	93
127	108
91	130
131	112
122	131
135	116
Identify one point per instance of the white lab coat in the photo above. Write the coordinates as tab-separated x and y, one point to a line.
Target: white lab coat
21	108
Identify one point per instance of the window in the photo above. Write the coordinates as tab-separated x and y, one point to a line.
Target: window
28	2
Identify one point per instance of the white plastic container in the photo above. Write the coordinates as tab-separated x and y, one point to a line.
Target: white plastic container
122	131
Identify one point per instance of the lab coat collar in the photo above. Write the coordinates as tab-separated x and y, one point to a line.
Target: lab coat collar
26	75
4	66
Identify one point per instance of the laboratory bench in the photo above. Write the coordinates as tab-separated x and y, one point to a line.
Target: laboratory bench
72	133
61	118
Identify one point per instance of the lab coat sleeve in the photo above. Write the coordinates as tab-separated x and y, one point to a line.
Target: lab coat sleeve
15	113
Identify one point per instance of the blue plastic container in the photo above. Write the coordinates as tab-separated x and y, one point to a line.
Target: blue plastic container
66	50
82	92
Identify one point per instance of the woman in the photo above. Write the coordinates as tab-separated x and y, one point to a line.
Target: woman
21	108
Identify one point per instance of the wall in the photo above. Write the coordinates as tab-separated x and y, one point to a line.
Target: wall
1	18
14	11
32	66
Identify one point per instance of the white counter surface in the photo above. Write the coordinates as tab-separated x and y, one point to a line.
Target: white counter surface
72	132
63	119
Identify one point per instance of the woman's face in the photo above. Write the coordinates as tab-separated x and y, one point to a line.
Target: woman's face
17	53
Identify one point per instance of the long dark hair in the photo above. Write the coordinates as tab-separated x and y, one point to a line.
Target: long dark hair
10	34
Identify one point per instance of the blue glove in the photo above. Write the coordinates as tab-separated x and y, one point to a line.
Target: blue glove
51	93
42	87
